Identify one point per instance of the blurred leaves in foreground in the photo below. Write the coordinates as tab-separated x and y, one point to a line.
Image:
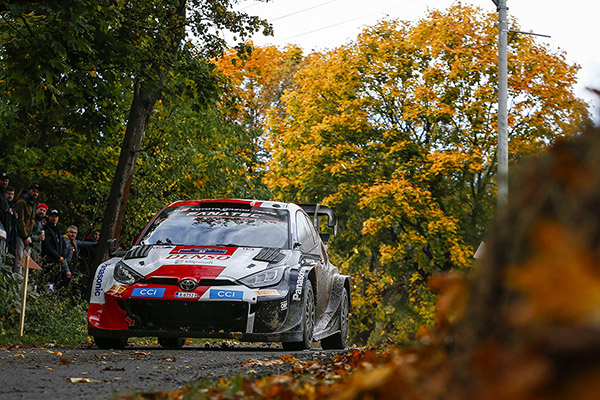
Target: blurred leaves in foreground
524	325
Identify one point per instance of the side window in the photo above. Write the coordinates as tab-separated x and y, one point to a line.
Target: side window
306	234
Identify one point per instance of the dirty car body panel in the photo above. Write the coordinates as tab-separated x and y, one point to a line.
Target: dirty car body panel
223	268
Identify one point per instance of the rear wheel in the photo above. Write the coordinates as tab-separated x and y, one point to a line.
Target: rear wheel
340	339
171	342
110	343
308	321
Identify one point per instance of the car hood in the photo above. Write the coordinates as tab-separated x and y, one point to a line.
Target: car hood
202	262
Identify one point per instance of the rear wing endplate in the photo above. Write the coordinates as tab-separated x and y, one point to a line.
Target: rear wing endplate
318	210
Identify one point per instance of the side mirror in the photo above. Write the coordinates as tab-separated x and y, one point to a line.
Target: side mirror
325	237
113	249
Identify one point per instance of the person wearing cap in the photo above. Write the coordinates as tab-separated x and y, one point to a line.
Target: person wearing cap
55	253
25	209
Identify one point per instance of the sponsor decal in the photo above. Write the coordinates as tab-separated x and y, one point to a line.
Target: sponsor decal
192	250
283	305
186	295
98	282
117	289
191	262
299	285
197	257
202	251
267	292
148	292
226	294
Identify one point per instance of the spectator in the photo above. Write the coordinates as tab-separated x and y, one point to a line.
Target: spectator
10	194
55	251
75	245
86	255
38	234
25	210
94	235
4	215
12	225
77	266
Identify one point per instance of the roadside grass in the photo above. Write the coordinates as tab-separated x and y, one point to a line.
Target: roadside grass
51	318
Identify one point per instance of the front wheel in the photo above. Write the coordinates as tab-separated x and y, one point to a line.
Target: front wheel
106	343
171	342
340	339
308	321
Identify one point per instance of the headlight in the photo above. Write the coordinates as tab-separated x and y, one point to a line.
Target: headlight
267	277
126	275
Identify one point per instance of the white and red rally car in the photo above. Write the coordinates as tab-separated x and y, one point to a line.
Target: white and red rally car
244	269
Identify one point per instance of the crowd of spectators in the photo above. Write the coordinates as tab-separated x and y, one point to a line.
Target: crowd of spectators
30	227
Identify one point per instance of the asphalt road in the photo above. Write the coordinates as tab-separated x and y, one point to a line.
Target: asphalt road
91	373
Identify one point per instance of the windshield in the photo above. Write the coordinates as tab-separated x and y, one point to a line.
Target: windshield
202	226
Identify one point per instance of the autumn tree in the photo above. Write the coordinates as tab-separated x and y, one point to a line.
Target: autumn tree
62	59
257	83
397	132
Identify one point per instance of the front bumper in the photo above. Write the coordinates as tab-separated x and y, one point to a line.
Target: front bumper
257	315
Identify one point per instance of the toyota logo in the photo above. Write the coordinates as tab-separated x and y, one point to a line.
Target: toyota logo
187	285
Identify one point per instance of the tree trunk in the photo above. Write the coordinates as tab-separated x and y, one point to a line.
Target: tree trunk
144	100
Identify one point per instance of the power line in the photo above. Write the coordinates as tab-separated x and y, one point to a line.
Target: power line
303	10
347	21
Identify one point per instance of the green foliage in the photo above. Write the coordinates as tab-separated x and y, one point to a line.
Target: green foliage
67	76
50	318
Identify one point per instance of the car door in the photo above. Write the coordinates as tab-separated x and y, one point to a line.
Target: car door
310	243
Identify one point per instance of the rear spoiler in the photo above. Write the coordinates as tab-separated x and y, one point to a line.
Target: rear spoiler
318	210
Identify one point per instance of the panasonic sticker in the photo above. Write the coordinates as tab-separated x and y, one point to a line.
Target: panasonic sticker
299	285
148	292
98	282
226	294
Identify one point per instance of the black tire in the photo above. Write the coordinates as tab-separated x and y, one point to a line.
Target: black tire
171	342
340	339
106	343
308	322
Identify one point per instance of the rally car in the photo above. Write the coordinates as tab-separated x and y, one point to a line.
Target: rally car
256	271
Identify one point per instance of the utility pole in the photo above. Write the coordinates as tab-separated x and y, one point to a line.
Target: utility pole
502	198
503	100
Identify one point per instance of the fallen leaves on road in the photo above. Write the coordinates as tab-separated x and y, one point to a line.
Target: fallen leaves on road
81	380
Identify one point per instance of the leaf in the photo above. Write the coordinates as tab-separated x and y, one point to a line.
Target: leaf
81	380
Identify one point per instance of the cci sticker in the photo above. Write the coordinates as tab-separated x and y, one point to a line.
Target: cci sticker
226	294
148	292
186	295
